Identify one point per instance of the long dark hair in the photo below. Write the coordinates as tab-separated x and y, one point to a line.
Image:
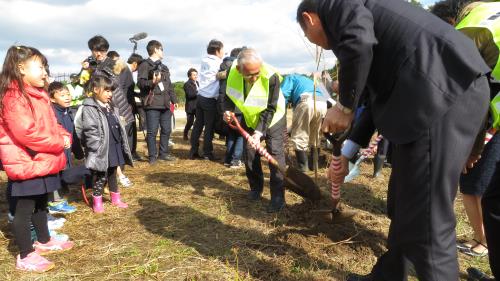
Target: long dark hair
10	71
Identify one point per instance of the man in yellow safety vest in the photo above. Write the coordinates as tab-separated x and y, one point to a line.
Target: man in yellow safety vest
254	88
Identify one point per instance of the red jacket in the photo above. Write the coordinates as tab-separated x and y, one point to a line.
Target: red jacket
31	141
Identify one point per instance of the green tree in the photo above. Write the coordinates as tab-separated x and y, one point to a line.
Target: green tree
179	92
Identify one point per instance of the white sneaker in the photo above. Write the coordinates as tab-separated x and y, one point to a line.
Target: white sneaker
55	223
10	217
124	181
52	218
59	236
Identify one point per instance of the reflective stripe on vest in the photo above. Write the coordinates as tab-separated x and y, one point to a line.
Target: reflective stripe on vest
486	15
257	98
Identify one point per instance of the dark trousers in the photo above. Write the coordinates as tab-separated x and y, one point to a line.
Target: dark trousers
189	123
206	111
158	118
101	178
422	189
273	138
131	129
30	209
142	118
491	218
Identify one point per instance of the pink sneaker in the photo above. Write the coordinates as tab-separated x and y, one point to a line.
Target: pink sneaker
52	246
34	262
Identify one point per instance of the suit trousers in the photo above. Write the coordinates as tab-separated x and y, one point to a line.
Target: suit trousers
206	111
273	138
131	129
491	218
422	189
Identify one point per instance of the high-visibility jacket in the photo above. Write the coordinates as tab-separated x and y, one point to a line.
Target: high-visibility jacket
487	15
257	99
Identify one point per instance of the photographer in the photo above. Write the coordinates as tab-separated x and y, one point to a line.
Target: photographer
98	62
153	79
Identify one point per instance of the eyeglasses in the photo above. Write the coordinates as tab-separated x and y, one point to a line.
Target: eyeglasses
248	76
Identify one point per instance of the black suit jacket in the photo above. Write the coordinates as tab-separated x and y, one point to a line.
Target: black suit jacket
412	65
191	90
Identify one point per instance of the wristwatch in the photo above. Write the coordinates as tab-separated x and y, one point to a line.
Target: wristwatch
344	109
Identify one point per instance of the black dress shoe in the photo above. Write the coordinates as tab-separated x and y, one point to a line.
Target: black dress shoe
194	156
210	157
254	195
136	157
357	277
276	205
475	274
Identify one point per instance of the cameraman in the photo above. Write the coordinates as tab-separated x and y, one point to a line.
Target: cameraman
153	79
98	62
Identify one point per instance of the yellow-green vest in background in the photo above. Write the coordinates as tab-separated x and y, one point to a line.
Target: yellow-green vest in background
257	98
487	15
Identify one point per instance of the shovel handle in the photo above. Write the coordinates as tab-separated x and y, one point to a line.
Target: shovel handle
235	125
337	139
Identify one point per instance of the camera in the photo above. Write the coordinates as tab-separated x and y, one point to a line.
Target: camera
92	62
157	69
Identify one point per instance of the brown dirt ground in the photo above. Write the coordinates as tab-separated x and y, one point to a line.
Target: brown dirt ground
191	221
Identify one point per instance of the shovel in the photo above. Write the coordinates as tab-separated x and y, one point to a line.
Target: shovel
295	180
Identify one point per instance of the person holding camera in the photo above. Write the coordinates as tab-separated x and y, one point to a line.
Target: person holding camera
153	79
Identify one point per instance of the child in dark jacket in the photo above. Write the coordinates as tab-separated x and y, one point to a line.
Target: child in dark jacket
61	102
97	124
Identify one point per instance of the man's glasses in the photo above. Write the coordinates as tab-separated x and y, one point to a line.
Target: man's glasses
248	76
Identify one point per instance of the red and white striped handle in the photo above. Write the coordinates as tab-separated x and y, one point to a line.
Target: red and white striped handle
335	165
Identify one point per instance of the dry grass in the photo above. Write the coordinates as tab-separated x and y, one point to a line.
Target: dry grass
191	221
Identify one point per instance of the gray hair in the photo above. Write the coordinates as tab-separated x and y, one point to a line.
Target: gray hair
249	56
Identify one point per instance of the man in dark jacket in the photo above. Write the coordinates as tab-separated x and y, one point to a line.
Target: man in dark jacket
128	87
427	94
153	79
191	90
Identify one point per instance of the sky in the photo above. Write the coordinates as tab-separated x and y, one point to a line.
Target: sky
60	29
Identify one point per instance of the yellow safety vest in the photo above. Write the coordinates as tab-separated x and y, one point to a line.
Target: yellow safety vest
257	98
487	15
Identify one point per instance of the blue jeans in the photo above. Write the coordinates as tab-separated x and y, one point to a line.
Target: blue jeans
158	118
234	144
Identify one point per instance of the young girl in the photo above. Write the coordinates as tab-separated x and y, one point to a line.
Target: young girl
32	151
104	139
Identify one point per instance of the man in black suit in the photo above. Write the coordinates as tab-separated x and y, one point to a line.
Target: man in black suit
128	84
191	90
427	94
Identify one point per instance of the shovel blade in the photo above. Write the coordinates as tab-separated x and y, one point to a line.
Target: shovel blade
301	184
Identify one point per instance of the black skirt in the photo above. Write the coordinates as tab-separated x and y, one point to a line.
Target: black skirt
36	186
478	178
